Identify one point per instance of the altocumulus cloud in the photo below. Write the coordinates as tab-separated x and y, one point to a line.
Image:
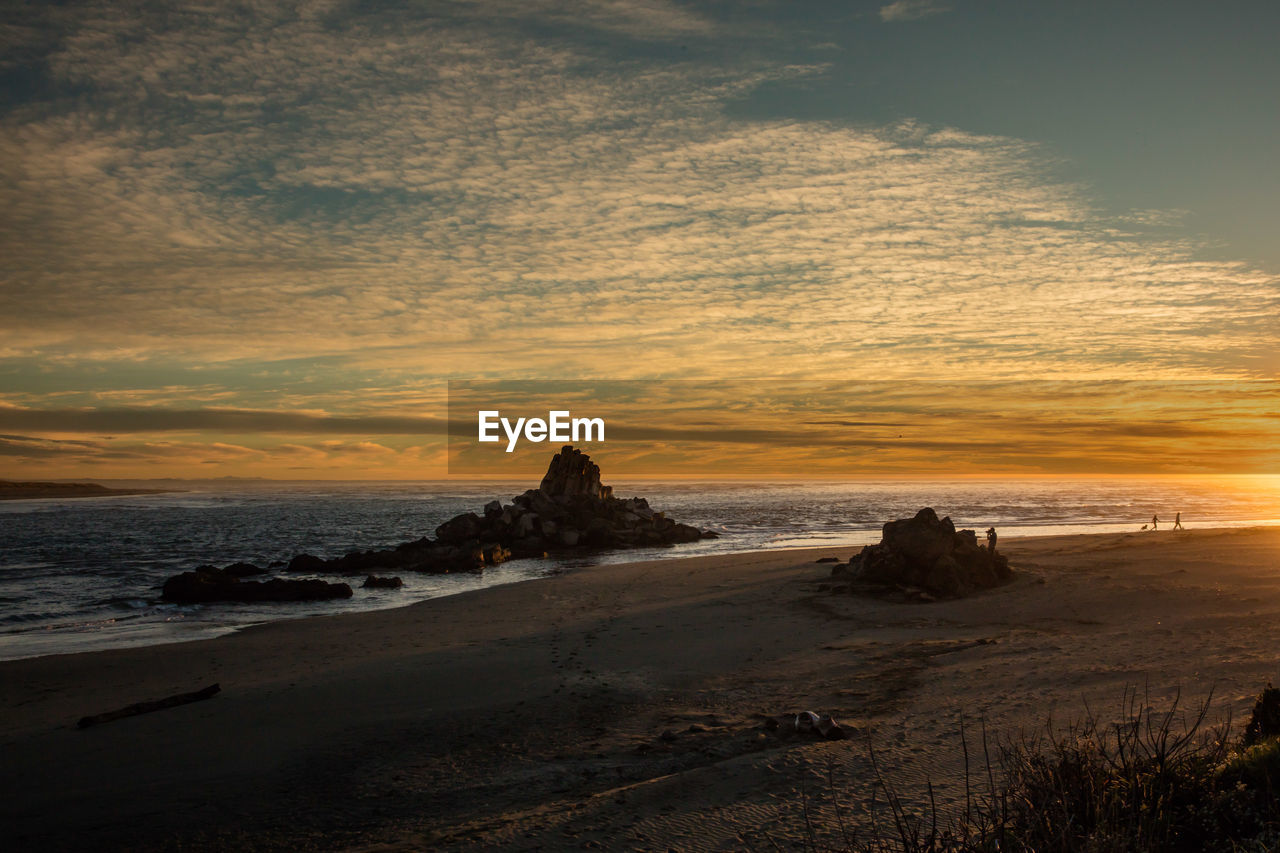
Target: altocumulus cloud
247	421
910	10
492	189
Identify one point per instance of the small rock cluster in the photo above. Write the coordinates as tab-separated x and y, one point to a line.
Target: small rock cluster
926	553
375	582
570	509
806	724
207	584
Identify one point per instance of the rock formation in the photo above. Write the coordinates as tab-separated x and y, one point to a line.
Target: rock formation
375	582
573	473
569	509
207	584
927	553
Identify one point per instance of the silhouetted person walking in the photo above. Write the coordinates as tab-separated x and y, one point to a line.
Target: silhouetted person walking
991	539
1177	522
1154	521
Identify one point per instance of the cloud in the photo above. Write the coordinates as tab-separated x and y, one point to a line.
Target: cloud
359	448
911	10
317	217
449	187
141	456
957	425
711	428
637	18
36	447
156	419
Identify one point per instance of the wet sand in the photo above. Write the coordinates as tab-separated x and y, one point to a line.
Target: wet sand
619	706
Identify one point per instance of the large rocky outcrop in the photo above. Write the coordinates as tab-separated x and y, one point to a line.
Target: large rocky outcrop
570	509
928	553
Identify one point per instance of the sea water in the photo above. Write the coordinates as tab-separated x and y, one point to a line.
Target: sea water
84	574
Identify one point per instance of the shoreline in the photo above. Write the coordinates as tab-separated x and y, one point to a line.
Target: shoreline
553	571
111	493
340	729
155	633
14	490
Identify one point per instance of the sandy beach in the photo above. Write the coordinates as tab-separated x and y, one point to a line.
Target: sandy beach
619	706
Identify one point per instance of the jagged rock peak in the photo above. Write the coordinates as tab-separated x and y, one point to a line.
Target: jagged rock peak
572	472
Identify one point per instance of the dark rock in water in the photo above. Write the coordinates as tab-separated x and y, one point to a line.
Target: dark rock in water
239	570
530	546
571	509
306	563
926	552
375	582
209	584
684	533
460	528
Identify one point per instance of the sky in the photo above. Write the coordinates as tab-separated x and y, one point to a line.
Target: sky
259	239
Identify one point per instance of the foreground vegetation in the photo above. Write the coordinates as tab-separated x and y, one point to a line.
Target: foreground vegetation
1156	781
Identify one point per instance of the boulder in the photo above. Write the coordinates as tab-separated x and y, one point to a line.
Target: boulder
306	563
460	528
375	582
244	570
415	545
926	553
525	525
529	546
685	533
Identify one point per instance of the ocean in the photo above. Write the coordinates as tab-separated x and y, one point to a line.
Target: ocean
85	574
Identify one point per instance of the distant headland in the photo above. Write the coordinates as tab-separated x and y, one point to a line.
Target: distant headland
11	490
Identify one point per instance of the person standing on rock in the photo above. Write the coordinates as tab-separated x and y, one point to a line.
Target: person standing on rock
991	539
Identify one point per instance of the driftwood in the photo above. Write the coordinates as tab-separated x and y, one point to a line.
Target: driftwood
148	707
806	723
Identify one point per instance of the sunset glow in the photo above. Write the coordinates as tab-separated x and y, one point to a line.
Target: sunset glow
260	241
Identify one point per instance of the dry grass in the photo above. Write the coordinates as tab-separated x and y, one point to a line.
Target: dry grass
1163	781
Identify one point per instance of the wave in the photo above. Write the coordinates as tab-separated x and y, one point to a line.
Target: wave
75	567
